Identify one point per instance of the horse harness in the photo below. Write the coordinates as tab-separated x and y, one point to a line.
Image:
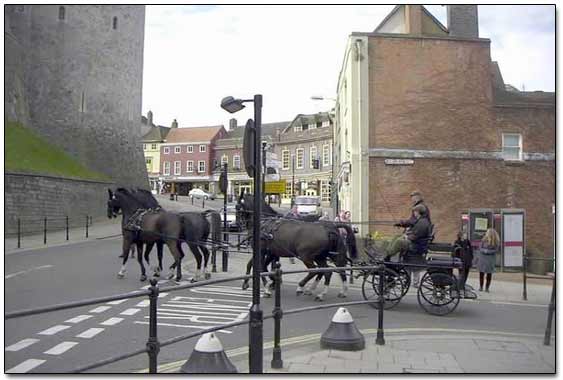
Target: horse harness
135	222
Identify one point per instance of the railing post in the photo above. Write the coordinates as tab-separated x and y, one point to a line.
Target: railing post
380	340
192	201
86	226
67	227
238	245
153	345
45	230
203	203
277	361
19	233
524	285
214	258
551	310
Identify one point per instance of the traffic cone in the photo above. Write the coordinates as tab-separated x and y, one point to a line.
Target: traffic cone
208	357
342	333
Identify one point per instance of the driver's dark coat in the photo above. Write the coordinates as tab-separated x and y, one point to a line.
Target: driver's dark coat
412	220
418	235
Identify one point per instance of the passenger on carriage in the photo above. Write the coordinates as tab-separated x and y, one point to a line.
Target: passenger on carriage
413	245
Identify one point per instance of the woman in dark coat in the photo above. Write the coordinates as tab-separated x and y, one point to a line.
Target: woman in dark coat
464	251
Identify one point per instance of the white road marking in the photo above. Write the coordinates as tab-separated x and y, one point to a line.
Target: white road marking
53	330
78	319
26	366
21	344
111	321
186	326
117	302
100	309
27	271
130	312
61	348
90	333
161	295
143	303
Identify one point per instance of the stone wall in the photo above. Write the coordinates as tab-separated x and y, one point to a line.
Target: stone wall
35	197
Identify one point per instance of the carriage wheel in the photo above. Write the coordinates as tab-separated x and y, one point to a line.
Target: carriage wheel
438	293
405	279
392	289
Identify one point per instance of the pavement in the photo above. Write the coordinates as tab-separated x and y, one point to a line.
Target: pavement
406	350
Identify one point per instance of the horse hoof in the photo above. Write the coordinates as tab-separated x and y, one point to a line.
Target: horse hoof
319	298
170	276
341	295
193	280
156	274
120	275
267	295
299	292
245	286
143	278
307	292
178	279
207	276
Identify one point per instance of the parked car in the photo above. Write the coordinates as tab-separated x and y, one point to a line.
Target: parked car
308	205
200	193
233	224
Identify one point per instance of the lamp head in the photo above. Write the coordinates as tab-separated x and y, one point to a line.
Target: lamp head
231	104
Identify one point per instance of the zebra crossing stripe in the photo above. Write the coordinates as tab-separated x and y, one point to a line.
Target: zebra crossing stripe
60	348
100	309
26	366
78	319
117	302
90	333
143	303
53	330
111	321
130	312
21	344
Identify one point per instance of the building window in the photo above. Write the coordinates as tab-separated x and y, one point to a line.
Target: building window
312	156
512	146
166	168
166	150
326	123
326	155
224	160
148	162
153	146
115	23
299	155
144	146
202	148
288	188
177	168
61	13
298	128
285	160
190	166
325	190
177	149
201	166
190	149
236	161
312	126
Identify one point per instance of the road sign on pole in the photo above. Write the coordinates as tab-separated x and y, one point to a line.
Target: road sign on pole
276	187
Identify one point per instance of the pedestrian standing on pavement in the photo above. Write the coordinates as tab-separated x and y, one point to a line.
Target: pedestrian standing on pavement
487	257
464	251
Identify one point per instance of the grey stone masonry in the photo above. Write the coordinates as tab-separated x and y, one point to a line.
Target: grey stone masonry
463	21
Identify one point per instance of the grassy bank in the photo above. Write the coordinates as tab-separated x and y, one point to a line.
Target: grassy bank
26	152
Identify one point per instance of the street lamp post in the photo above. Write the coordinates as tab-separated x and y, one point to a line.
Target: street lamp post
256	341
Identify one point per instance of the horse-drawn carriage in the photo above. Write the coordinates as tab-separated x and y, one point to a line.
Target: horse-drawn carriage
438	292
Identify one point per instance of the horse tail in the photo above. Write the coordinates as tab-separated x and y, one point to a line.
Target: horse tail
215	222
350	239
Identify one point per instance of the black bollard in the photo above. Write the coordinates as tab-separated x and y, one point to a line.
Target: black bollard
86	226
380	340
153	345
524	278
19	233
277	361
45	230
551	310
67	227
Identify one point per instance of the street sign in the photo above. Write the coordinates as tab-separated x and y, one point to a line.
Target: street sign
277	187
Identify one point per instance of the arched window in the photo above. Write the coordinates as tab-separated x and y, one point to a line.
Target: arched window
115	23
61	13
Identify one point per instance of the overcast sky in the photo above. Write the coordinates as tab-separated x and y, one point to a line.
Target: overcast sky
195	55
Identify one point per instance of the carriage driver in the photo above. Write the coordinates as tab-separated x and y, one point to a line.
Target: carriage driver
414	243
416	198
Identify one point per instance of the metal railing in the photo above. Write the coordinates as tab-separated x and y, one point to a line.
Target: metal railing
526	276
153	345
30	226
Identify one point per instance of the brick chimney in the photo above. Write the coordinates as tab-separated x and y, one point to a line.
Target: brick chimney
149	117
232	124
463	21
413	19
174	124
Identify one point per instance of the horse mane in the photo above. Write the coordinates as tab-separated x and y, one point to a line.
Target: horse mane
146	198
266	208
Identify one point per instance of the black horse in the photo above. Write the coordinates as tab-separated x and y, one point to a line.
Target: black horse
196	228
141	225
312	243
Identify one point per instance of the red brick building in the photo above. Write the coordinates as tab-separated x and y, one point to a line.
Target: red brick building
187	158
422	106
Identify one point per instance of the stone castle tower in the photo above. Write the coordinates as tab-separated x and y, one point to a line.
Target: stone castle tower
73	74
